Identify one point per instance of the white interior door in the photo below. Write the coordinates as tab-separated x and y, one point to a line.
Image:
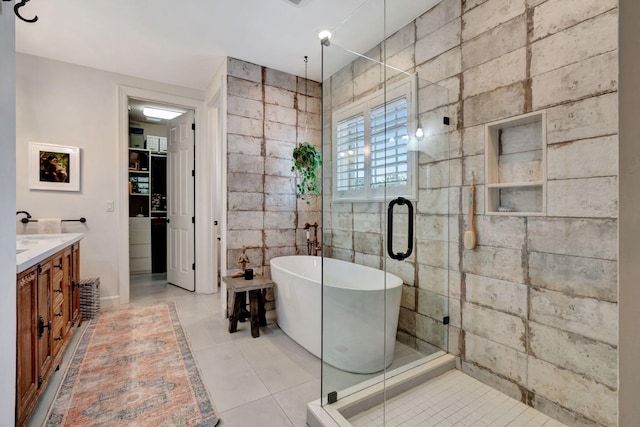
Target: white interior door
180	202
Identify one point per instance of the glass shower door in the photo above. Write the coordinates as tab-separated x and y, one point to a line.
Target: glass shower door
386	209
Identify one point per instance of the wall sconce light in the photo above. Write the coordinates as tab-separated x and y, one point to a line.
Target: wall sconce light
324	37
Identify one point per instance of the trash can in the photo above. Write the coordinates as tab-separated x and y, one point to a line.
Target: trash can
89	297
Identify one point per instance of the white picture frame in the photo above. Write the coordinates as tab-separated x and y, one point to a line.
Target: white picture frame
54	167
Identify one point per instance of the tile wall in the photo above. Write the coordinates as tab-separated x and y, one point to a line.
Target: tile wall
268	112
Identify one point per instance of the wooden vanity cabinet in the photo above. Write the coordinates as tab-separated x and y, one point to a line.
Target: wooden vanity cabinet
47	301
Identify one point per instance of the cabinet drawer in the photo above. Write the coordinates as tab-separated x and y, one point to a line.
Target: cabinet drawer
56	263
57	297
58	314
140	236
57	324
139	251
58	340
140	265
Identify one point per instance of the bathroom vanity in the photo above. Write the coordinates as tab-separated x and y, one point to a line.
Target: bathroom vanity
48	311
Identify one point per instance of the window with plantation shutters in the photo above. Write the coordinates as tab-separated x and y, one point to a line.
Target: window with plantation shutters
389	136
372	160
350	154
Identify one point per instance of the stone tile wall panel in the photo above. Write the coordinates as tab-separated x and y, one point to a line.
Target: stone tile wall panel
587	78
496	42
596	157
596	401
579	276
488	15
582	316
575	44
498	294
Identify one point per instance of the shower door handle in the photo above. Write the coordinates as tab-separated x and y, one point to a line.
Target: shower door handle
400	255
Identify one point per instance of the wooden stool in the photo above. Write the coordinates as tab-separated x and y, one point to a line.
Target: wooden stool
237	288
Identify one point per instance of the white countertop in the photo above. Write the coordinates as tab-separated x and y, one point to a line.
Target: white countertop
33	248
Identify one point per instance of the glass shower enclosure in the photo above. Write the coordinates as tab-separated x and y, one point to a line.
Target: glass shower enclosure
386	204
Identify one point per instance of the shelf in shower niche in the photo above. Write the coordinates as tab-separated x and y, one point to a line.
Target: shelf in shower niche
515	199
515	159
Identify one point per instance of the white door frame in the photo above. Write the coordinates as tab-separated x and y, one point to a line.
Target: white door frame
205	276
218	182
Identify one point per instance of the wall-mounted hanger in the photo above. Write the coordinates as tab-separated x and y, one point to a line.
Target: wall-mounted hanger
17	7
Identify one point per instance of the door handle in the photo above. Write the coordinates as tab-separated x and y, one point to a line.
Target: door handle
42	325
400	255
168	220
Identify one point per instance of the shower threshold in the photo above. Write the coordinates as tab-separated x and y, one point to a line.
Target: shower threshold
375	392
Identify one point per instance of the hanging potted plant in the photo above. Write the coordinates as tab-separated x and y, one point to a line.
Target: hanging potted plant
307	162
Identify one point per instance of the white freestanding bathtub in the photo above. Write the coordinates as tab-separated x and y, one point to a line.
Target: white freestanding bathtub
361	308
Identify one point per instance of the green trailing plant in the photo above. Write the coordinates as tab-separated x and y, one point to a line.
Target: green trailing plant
307	162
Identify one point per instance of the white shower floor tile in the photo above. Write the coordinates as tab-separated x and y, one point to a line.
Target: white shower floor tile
453	399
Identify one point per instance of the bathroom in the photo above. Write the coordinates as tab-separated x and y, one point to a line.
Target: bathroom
579	232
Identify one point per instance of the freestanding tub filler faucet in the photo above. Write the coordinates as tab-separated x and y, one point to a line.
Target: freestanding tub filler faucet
312	245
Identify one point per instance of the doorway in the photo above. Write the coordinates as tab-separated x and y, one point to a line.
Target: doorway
161	189
208	141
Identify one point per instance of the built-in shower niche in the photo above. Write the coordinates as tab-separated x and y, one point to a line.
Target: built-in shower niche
515	158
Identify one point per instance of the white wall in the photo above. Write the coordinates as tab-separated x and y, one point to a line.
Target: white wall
629	226
61	103
7	218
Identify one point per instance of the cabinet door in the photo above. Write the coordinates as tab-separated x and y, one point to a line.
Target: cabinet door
60	311
67	287
45	320
75	279
27	341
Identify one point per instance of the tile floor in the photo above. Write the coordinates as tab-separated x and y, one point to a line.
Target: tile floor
268	381
453	399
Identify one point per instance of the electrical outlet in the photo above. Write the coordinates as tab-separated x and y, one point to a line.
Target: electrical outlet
109	205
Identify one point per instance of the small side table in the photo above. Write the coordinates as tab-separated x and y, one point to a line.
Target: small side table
237	287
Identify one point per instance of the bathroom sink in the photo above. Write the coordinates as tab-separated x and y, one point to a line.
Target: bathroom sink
31	239
33	248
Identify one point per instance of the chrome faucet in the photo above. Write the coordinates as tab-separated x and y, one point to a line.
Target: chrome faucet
24	220
312	245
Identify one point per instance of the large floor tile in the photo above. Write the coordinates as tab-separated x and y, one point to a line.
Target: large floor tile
229	377
264	412
276	370
294	401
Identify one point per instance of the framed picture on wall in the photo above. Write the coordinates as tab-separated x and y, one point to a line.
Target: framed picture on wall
54	167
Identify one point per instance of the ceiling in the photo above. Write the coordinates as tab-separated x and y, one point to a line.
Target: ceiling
185	42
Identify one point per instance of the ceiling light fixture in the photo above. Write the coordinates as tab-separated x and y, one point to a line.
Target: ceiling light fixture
297	3
160	114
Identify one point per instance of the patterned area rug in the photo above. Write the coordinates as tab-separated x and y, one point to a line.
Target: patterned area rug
133	367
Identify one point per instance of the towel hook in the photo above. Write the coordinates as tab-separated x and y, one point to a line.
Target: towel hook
17	7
